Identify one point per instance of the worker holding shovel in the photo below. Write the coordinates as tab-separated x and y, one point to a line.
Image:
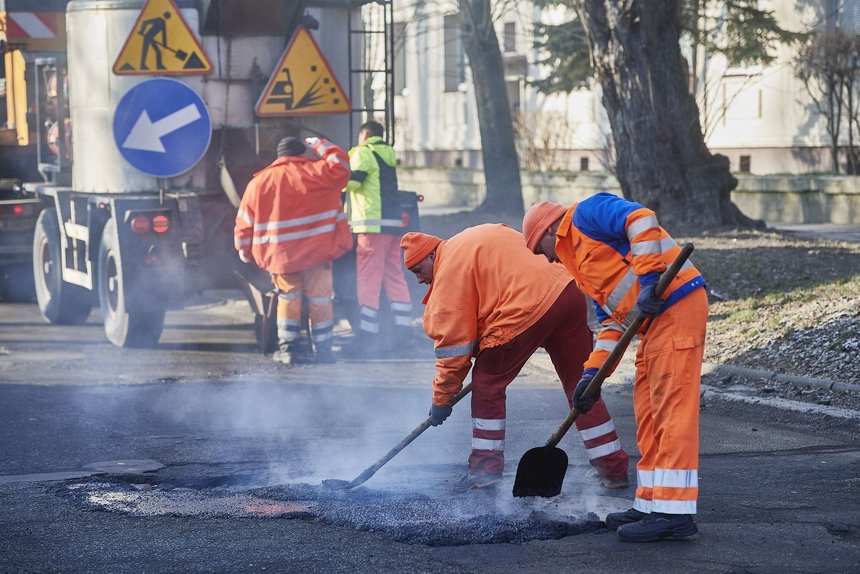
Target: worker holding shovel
489	298
616	250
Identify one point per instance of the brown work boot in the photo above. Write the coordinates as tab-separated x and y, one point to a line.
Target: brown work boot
480	481
606	482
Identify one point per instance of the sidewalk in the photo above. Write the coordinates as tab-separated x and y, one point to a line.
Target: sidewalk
832	231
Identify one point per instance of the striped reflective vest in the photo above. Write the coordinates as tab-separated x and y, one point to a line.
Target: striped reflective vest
611	246
372	191
291	216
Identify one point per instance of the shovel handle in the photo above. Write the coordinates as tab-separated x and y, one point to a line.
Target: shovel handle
621	345
371	470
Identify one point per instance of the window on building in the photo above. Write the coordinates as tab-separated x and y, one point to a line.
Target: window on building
510	37
513	87
399	31
849	16
455	59
583	164
744	164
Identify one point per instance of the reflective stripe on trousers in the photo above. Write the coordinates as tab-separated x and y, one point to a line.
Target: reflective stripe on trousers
666	404
314	284
564	333
378	261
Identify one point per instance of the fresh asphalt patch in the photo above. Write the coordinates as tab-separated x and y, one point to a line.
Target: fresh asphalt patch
476	517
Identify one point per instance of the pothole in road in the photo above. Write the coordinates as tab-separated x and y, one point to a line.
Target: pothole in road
414	518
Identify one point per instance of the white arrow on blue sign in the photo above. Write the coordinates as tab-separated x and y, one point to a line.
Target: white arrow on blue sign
162	127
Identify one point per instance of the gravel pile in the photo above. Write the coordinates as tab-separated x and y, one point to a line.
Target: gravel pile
777	303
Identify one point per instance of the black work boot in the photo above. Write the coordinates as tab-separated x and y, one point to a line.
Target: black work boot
616	519
658	526
323	353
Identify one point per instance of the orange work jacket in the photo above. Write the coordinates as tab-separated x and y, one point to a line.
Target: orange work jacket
291	217
487	288
608	267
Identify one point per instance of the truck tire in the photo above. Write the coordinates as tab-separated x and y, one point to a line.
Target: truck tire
122	328
60	303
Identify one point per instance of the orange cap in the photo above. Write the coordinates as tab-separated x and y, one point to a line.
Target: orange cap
416	246
538	219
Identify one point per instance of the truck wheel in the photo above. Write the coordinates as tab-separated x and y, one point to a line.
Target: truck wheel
60	303
123	329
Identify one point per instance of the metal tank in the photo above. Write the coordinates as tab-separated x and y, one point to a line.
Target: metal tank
241	64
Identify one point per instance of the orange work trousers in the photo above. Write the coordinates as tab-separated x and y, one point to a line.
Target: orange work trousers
666	404
378	265
315	285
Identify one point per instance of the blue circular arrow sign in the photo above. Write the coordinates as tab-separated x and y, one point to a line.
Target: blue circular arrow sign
162	127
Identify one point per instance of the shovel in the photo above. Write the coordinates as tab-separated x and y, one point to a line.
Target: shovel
541	469
337	484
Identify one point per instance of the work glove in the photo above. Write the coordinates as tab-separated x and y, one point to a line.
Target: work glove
648	303
439	414
245	256
312	152
580	402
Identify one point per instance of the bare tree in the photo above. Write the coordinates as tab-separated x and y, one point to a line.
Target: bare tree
539	138
498	151
821	66
662	159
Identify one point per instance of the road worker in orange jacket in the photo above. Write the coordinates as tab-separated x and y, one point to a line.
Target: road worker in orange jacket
491	300
616	251
291	222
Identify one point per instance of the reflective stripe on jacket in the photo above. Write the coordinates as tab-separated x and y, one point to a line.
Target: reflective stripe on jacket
373	166
611	246
291	218
487	289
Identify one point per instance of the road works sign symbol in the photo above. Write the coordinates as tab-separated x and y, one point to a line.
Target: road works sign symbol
162	127
302	83
161	43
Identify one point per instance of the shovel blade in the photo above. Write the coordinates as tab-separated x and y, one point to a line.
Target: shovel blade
541	472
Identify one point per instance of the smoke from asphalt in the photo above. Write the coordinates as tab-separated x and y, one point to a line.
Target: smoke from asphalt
259	442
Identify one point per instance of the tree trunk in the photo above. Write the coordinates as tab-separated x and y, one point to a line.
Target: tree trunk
662	160
501	164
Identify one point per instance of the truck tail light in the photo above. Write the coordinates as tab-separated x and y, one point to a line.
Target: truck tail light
140	224
161	224
18	210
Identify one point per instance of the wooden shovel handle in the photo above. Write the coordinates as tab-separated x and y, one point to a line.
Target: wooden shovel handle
621	346
371	470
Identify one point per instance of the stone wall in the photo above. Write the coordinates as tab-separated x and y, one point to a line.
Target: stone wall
775	199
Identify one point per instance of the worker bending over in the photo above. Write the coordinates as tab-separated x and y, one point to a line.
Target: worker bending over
292	223
491	299
616	250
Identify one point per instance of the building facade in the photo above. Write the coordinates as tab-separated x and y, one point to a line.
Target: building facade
760	117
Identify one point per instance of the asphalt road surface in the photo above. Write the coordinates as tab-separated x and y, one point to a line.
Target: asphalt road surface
204	456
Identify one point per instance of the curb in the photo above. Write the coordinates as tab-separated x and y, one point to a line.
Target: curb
796	380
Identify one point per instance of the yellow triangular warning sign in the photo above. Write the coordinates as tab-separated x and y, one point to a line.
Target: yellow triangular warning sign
161	43
302	83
